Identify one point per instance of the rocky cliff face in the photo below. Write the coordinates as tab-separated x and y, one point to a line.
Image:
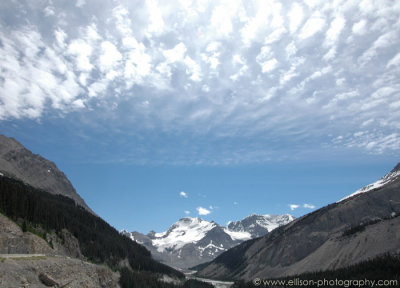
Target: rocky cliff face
18	162
357	228
25	257
14	241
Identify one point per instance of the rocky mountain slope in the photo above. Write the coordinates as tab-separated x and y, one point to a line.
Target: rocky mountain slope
357	228
18	162
25	256
192	241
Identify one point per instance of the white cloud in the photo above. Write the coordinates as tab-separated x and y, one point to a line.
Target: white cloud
308	206
313	25
334	30
80	3
293	206
156	25
82	51
183	194
61	36
203	211
110	56
187	212
221	20
291	49
265	60
49	11
275	36
193	69
240	73
175	54
268	65
296	17
360	27
395	61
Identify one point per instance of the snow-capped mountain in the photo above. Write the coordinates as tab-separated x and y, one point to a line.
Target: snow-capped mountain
390	177
192	241
256	225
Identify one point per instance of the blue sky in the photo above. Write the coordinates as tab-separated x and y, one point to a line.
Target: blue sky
245	106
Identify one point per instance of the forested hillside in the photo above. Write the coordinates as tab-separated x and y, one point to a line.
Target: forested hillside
99	242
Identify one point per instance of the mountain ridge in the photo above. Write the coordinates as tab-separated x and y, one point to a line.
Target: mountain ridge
20	163
191	240
340	234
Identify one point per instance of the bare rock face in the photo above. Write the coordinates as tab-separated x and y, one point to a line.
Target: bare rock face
27	260
14	241
55	271
18	162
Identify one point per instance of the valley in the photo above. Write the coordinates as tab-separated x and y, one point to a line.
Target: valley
51	237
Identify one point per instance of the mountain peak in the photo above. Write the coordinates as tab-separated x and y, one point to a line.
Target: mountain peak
10	143
192	240
20	163
389	177
259	225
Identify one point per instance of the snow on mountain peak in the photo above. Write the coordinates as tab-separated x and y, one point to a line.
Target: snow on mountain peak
392	175
258	225
191	241
186	230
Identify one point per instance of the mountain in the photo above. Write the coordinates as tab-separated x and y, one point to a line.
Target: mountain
44	221
192	241
362	226
258	225
19	163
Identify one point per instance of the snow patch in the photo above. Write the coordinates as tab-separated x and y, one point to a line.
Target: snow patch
381	182
241	235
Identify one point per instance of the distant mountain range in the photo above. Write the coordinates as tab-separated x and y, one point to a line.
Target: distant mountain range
365	225
192	241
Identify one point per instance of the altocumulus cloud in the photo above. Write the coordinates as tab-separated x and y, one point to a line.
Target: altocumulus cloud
223	70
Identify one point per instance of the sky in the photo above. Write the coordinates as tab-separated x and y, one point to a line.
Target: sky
158	110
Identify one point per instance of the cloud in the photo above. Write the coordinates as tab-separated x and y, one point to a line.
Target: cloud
109	56
203	211
187	212
360	27
296	16
313	25
293	206
80	49
309	206
334	30
228	81
183	194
